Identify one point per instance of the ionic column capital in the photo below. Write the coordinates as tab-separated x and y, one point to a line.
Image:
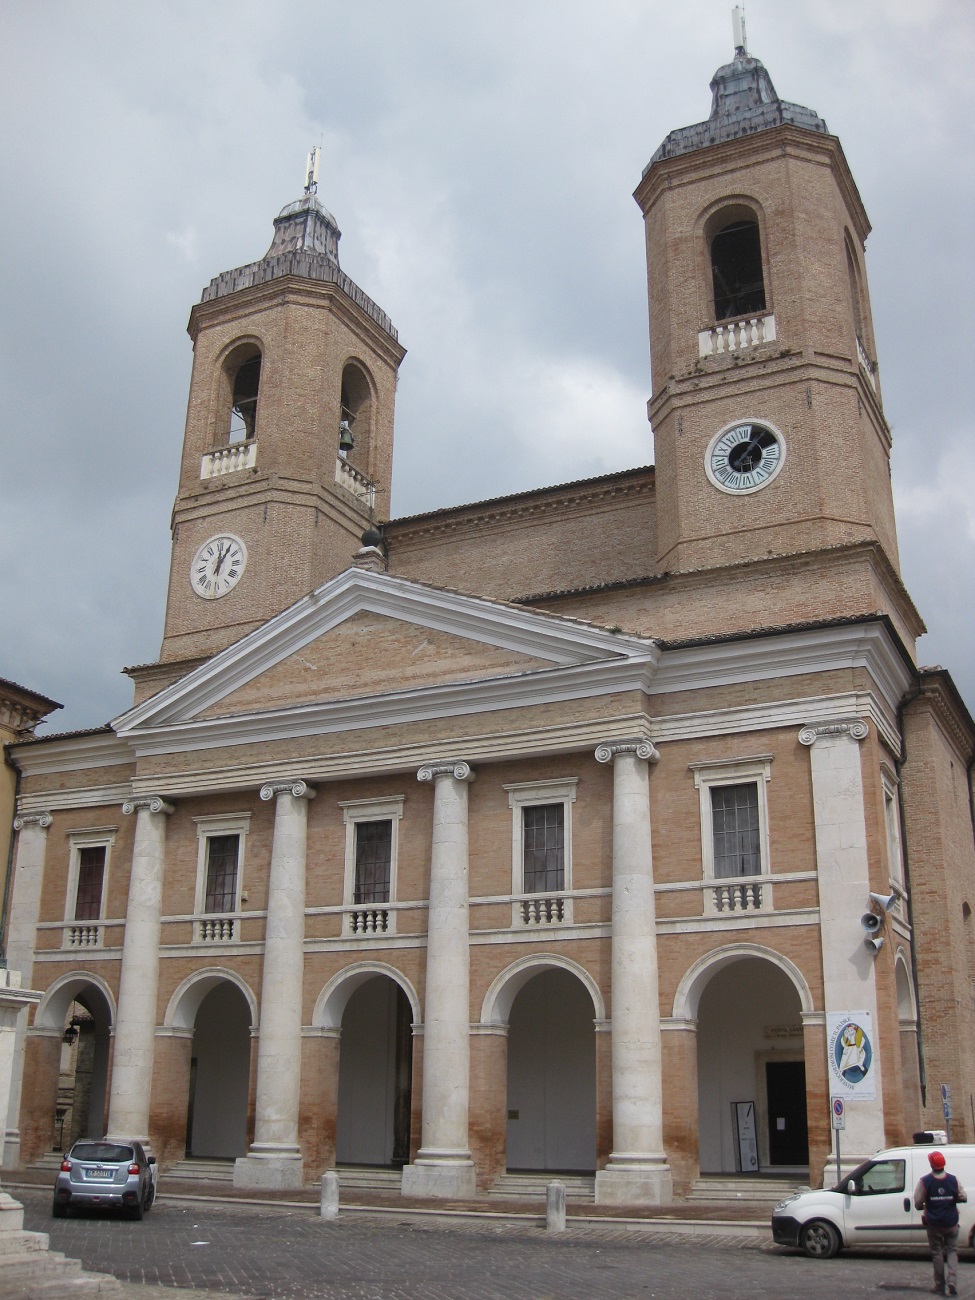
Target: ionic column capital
298	789
153	803
855	728
640	747
456	768
40	819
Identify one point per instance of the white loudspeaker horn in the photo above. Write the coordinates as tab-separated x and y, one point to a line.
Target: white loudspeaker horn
871	922
873	944
886	901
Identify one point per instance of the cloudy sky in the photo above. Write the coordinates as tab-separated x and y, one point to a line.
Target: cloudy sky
480	160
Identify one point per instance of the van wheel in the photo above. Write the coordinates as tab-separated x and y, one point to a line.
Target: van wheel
819	1239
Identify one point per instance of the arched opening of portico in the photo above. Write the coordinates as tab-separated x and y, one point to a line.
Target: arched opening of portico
216	1120
751	1071
67	1066
375	1075
552	1075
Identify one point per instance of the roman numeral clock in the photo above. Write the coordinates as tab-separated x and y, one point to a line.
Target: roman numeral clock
744	457
218	566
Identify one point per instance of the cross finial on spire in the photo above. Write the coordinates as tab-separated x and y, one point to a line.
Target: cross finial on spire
738	27
311	171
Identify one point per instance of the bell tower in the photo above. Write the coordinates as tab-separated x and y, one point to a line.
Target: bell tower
769	426
287	454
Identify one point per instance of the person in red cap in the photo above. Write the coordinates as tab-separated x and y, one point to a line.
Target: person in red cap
938	1194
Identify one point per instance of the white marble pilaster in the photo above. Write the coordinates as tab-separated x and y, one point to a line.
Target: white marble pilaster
443	1166
274	1159
637	1171
849	981
25	904
135	1029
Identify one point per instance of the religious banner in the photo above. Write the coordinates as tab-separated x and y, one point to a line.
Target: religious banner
850	1038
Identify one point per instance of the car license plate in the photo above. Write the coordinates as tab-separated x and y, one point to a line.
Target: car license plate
99	1174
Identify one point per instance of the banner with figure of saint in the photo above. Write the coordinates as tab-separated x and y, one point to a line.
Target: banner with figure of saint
852	1072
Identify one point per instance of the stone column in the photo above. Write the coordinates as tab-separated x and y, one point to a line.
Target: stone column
25	906
443	1166
274	1159
849	982
135	1028
637	1171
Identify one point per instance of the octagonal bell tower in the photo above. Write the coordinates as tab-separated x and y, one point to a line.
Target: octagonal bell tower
287	453
769	426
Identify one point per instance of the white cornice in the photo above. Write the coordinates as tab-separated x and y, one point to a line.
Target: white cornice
787	654
558	641
72	753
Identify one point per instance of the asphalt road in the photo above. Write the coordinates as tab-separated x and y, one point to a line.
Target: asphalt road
293	1255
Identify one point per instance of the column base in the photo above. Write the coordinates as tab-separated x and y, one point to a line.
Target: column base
270	1166
11	1215
634	1182
443	1177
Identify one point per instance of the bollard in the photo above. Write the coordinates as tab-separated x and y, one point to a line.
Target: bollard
330	1195
555	1207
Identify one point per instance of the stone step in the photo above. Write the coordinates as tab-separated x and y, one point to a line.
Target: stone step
201	1170
760	1191
515	1186
368	1178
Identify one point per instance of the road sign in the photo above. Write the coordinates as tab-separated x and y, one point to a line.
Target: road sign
946	1101
839	1113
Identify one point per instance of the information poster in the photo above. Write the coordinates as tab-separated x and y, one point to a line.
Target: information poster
851	1055
747	1136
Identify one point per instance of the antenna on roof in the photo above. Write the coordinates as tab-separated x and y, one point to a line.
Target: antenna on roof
738	27
311	171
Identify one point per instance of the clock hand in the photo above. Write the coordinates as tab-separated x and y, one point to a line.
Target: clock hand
225	551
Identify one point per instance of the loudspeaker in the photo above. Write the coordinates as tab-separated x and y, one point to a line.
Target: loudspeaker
874	945
886	901
871	922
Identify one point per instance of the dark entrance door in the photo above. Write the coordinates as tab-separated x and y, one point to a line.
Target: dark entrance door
785	1086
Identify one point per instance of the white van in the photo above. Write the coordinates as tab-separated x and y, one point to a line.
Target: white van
874	1204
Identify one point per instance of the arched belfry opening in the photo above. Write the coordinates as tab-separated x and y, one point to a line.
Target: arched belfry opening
355	427
237	401
737	275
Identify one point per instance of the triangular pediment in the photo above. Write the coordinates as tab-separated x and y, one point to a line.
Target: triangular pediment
366	635
368	654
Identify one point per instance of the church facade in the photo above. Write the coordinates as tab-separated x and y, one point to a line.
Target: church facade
610	827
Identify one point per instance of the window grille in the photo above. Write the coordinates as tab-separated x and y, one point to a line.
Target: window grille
543	828
221	890
373	860
91	874
737	839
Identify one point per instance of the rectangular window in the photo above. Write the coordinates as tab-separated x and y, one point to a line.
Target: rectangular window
541	851
371	849
91	876
737	838
543	827
221	890
222	841
734	834
84	904
373	861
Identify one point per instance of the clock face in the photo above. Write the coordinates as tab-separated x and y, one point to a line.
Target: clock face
744	457
218	566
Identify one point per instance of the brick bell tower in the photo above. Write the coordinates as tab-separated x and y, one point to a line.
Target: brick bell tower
289	434
769	427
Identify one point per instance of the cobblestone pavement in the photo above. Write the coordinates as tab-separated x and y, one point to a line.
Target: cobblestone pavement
282	1254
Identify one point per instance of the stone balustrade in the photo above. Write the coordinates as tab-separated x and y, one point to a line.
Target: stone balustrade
348	477
736	336
228	460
